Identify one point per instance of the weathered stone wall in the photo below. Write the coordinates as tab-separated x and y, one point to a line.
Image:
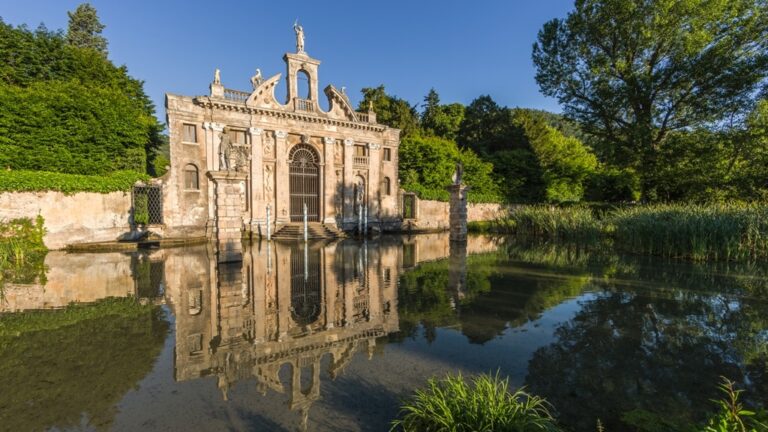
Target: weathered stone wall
72	278
70	219
435	215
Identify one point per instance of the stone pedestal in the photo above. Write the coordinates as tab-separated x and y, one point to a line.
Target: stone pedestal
457	218
229	200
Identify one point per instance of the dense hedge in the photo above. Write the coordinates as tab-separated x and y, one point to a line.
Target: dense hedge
69	109
33	181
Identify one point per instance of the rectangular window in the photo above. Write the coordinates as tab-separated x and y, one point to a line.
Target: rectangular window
387	154
361	150
190	133
238	137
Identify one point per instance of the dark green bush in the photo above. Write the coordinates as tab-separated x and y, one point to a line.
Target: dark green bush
34	181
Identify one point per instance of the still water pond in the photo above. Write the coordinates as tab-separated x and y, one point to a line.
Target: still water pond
332	336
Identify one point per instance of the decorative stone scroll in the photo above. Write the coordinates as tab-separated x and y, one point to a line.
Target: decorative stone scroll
281	134
349	142
374	146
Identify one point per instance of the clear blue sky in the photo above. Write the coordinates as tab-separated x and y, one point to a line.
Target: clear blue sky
461	48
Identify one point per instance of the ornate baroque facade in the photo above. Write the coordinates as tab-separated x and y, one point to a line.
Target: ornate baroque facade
340	163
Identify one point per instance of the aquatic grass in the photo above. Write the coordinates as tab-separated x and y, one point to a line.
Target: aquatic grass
696	232
487	404
554	223
727	232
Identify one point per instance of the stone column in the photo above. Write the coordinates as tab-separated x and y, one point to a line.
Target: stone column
228	196
457	218
282	180
349	178
257	182
329	175
457	273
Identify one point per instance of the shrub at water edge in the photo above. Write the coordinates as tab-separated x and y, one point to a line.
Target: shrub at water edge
484	405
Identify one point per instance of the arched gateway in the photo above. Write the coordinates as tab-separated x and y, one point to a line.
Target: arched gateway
304	183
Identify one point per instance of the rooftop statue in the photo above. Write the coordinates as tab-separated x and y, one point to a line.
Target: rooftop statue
217	76
256	80
299	36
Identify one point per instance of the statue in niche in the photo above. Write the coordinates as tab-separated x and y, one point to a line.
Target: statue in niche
256	80
217	76
299	36
268	142
231	157
338	152
225	150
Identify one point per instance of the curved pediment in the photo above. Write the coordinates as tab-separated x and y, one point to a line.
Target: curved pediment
264	95
339	105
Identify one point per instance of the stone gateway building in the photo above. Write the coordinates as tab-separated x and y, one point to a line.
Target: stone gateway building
240	158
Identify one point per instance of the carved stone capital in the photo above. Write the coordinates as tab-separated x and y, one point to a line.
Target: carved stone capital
349	142
218	127
374	146
255	131
329	140
281	134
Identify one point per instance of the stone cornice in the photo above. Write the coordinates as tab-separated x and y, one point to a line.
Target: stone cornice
226	105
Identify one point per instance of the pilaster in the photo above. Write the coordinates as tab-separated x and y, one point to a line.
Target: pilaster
257	180
282	176
374	179
349	179
329	177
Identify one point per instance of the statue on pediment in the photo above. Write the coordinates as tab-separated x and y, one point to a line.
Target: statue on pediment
299	36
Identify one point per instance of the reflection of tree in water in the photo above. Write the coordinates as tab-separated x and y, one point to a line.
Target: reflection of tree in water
61	377
497	295
649	355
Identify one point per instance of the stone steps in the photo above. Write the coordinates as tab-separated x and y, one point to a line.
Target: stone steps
315	230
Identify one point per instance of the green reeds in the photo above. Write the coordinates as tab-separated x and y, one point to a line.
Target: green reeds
696	232
485	404
735	232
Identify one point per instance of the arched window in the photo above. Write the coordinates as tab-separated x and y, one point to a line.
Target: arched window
191	178
303	84
386	186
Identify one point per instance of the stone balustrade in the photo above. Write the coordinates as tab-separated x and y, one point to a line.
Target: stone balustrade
236	95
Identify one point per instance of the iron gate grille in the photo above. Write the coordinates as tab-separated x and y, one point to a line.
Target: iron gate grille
148	205
304	184
305	285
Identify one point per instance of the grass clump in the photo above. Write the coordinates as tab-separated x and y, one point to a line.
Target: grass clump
37	181
484	404
553	223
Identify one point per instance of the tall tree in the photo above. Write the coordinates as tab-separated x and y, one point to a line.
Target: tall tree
631	72
391	110
441	120
84	30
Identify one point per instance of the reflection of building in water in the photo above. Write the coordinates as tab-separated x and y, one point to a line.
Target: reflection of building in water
284	307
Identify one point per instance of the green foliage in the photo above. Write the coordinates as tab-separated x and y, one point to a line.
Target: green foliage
32	181
565	162
613	185
732	416
443	121
141	209
487	404
632	72
391	110
84	30
428	163
22	251
69	109
75	364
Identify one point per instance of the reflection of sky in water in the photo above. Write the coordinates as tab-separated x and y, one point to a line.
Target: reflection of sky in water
598	335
